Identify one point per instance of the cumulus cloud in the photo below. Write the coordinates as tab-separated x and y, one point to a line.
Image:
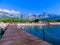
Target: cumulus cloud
9	11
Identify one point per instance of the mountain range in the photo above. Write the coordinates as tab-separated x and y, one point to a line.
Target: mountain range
5	14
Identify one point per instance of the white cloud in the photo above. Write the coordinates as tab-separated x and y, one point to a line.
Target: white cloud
9	11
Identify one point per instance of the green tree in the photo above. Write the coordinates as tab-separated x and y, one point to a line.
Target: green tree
36	20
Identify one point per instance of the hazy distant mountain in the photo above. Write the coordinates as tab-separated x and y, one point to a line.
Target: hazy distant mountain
51	17
6	14
11	14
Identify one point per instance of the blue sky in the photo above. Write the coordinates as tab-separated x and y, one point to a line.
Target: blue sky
32	6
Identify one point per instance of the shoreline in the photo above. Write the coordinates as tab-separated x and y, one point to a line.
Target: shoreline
27	24
49	23
54	23
30	24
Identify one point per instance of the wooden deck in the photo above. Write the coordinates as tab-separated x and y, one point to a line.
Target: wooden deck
13	36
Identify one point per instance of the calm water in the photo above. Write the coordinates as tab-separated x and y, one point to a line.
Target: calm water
51	33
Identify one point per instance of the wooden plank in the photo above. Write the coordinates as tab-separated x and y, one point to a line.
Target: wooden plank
13	36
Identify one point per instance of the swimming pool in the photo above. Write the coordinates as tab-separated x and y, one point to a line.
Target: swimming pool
50	33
